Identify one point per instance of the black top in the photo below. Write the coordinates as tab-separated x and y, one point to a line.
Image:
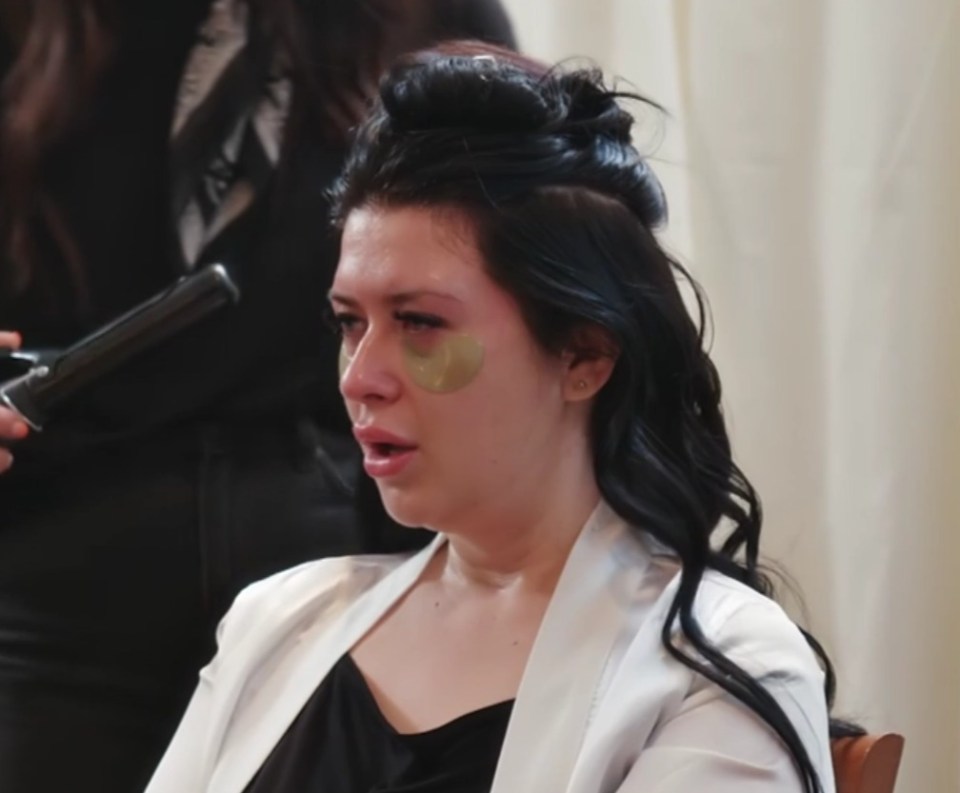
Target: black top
341	743
269	358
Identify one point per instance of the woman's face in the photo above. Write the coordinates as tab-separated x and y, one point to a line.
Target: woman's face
455	405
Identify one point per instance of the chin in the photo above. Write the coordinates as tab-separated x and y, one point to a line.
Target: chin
408	509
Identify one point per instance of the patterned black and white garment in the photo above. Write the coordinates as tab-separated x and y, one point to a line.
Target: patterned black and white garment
228	125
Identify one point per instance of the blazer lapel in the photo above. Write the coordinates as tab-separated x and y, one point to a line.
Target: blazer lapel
566	666
296	673
557	694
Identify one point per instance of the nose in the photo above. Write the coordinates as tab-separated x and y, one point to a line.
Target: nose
368	375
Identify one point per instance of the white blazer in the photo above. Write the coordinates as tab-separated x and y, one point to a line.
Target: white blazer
601	707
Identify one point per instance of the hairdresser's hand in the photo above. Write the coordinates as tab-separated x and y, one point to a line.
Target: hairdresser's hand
12	427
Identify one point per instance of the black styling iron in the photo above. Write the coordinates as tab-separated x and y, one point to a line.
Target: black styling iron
53	376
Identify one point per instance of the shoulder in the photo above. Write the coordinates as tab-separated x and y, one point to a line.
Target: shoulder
751	629
755	632
748	627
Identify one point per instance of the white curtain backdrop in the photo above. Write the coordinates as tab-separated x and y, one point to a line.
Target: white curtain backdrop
813	166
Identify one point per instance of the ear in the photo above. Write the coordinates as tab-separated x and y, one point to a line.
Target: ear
589	359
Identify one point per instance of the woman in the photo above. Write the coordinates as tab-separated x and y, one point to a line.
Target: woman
140	140
523	378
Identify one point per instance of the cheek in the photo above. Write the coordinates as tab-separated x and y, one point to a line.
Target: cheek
441	368
445	367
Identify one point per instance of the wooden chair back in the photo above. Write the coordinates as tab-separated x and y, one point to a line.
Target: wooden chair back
867	763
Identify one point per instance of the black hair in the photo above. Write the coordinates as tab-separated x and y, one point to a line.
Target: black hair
564	208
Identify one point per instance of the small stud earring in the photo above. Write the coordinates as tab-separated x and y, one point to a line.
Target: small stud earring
581	384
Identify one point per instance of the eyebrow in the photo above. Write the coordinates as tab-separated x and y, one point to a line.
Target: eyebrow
397	299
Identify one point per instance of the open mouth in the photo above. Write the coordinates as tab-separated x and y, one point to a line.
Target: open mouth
389	449
384	454
381	460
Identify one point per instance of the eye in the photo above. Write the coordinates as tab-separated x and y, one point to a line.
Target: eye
343	323
416	322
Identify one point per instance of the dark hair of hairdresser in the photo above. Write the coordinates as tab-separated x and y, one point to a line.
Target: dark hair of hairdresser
62	47
564	209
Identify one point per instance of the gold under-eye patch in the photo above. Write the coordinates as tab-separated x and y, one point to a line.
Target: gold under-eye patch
343	361
446	366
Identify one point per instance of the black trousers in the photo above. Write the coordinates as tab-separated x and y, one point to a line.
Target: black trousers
115	570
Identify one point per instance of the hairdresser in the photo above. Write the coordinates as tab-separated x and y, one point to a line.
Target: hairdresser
140	141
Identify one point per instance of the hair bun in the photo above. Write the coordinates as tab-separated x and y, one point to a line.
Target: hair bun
478	91
592	108
567	126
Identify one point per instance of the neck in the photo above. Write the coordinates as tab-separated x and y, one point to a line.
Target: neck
524	542
532	561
